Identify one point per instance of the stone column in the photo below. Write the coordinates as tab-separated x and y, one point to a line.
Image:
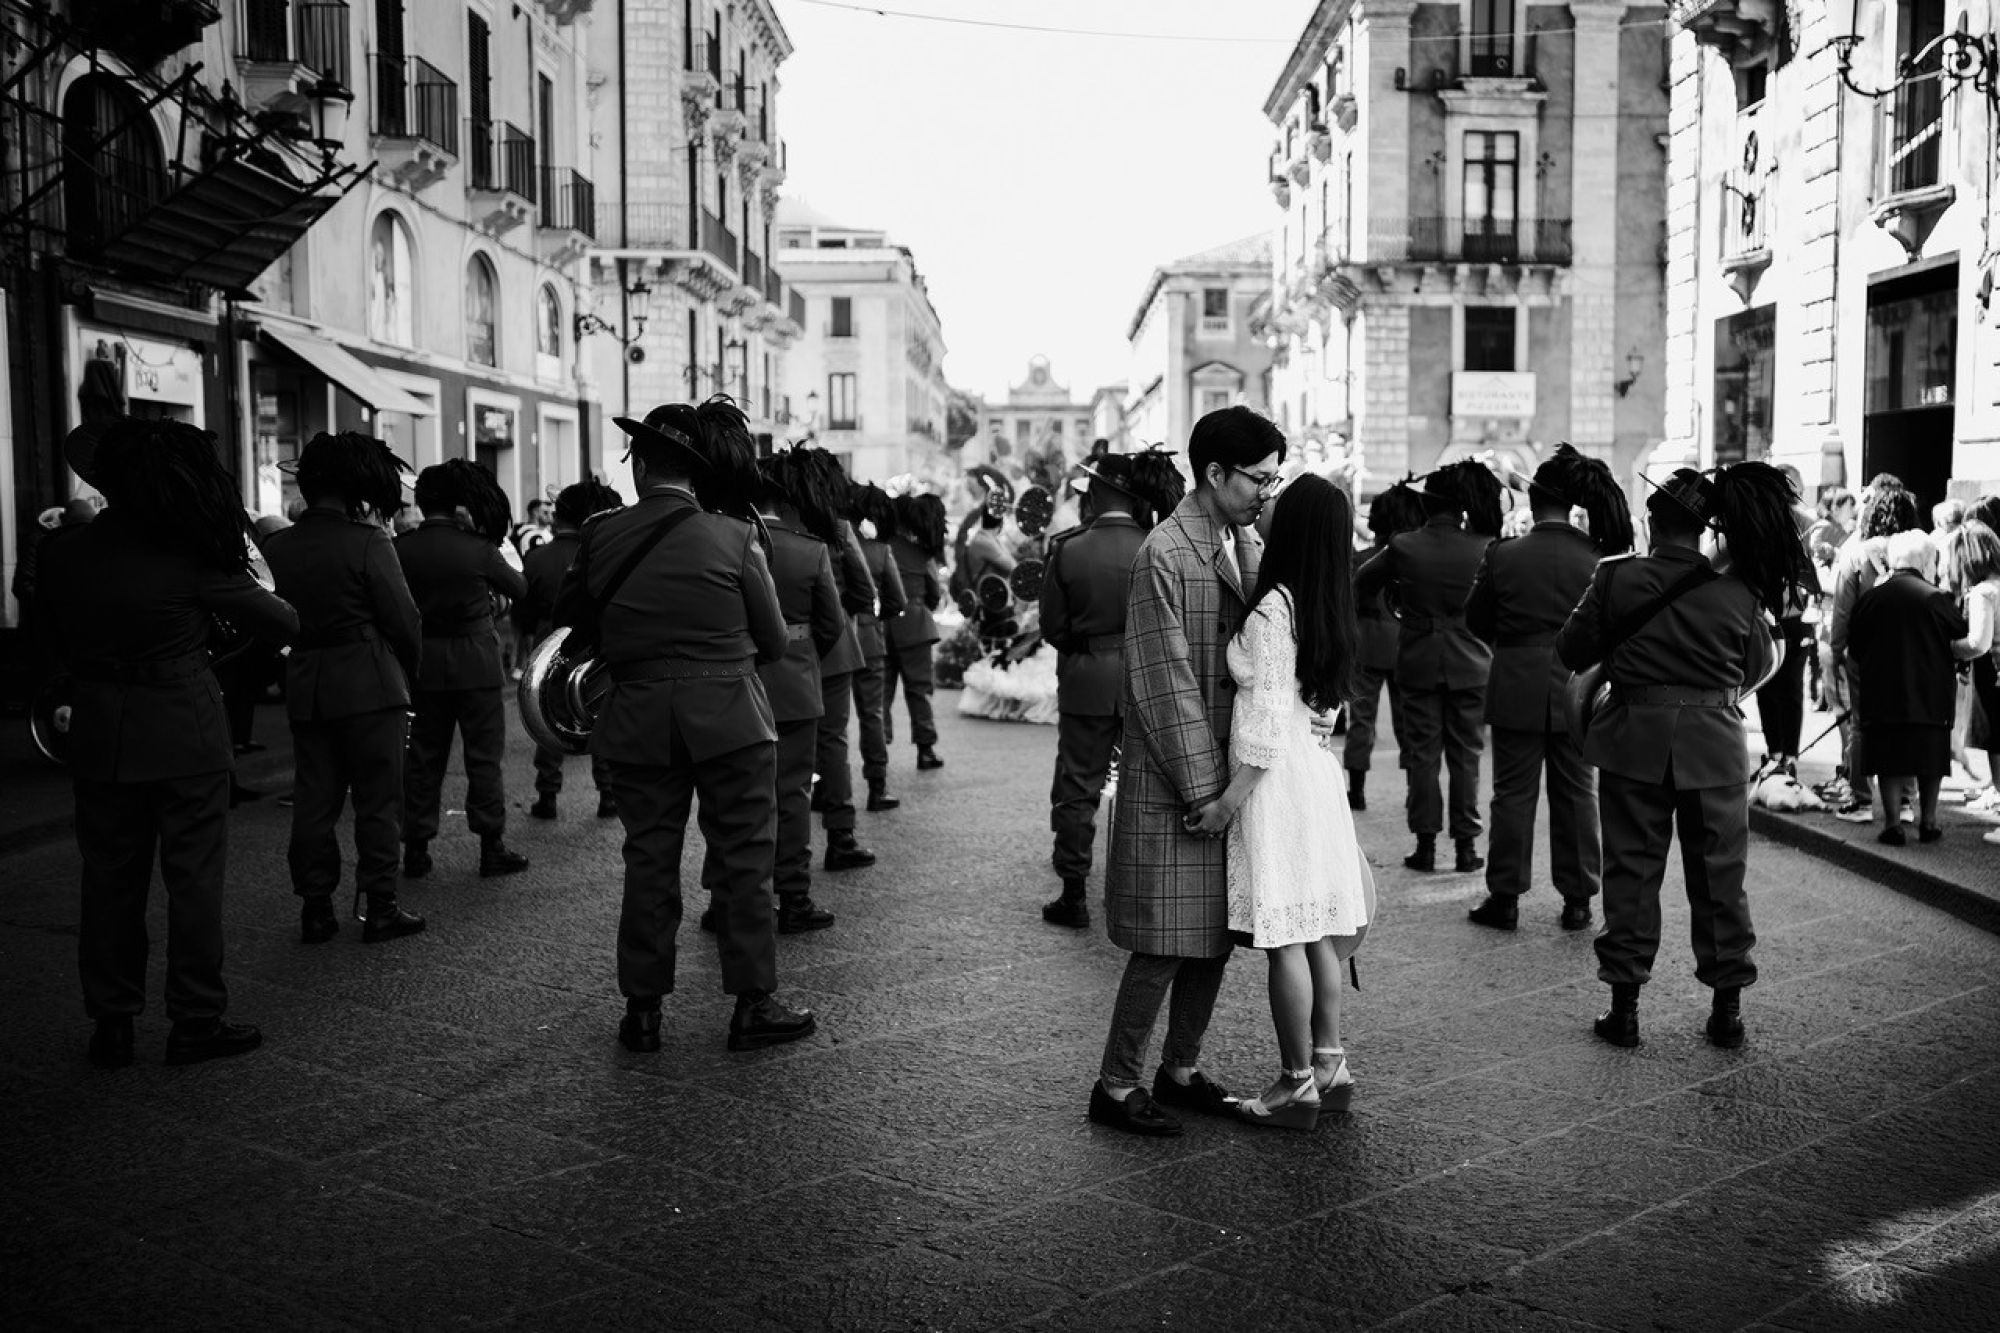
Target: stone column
1382	424
1382	204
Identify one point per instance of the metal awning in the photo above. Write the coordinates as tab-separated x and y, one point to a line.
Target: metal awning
341	366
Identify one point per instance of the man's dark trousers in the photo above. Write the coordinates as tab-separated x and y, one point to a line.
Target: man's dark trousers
912	667
797	743
1363	711
480	718
1714	823
1445	728
549	772
1084	745
119	826
871	702
738	814
1575	861
362	753
834	795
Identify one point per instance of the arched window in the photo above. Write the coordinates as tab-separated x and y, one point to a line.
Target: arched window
548	323
392	312
116	171
481	328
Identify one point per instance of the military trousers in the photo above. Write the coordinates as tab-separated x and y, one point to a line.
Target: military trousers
120	828
549	772
1444	729
738	814
913	668
362	755
1363	711
1084	746
797	742
1640	818
480	719
871	706
1575	857
833	794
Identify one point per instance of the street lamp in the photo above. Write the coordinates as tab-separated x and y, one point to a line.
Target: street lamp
1634	363
332	101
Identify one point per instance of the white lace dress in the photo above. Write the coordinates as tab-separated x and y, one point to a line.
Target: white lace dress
1296	873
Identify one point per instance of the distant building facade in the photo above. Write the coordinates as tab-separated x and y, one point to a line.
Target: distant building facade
870	362
1198	343
1038	418
1468	255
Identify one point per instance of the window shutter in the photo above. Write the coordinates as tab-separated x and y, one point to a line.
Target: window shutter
389	28
478	68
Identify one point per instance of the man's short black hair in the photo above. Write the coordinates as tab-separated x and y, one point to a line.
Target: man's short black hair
1235	437
534	506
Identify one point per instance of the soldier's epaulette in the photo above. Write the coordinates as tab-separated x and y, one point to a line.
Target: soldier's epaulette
598	517
1067	533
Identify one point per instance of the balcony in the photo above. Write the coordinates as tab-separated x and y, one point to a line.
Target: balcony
1471	241
1914	191
1746	246
567	11
753	271
701	79
568	221
289	46
416	119
142	32
499	174
1741	30
718	241
795	307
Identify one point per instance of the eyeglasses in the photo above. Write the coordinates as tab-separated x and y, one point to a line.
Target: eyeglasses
1265	482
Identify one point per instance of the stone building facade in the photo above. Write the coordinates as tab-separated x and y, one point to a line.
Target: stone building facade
1038	418
1198	342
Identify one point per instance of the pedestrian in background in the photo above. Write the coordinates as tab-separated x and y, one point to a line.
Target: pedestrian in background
543	568
1888	509
347	682
1974	574
1395	511
1781	702
919	549
1166	886
126	604
1900	636
874	519
456	571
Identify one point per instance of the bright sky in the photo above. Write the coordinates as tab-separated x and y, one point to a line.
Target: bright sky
1038	178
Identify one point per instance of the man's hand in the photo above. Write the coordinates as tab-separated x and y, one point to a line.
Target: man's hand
1209	821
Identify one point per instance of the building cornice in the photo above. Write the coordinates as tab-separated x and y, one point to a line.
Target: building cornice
763	15
1307	55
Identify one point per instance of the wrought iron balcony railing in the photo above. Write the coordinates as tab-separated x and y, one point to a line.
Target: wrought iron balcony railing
500	157
1913	126
753	269
414	99
568	201
312	33
718	240
1470	240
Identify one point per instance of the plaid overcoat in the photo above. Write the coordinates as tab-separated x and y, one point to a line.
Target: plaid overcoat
1166	892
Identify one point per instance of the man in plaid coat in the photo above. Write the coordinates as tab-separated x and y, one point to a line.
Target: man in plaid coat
1166	881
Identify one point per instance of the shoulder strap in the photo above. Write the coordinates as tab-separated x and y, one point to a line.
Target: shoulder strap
639	553
1637	618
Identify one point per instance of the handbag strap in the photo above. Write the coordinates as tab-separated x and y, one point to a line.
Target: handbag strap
639	553
1637	618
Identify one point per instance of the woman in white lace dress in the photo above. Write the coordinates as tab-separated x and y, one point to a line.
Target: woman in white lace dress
1299	887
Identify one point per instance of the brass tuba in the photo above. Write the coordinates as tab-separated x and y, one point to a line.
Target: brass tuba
561	691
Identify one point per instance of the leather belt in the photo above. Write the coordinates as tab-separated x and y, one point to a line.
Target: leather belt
162	671
335	638
1546	639
797	633
1673	696
1431	624
679	668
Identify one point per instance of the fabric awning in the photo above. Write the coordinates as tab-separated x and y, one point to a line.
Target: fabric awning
341	366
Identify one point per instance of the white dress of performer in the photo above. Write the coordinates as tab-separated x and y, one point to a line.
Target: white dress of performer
1296	872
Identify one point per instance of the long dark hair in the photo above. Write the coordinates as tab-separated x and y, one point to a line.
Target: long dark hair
920	520
168	477
1310	554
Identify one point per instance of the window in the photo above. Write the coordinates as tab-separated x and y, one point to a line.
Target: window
1746	375
1917	131
548	323
843	317
481	342
392	316
1215	303
120	171
1213	400
1493	38
1024	432
840	413
479	100
1492	172
1489	337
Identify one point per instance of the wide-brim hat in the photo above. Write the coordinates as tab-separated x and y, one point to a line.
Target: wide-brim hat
80	451
1690	490
657	430
1098	471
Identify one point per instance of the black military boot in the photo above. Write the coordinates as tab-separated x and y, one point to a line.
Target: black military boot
544	806
1619	1024
639	1030
1725	1018
799	914
1426	855
843	853
1072	909
879	798
761	1019
1357	789
607	805
497	858
927	759
1469	858
111	1042
387	921
317	923
1500	911
416	858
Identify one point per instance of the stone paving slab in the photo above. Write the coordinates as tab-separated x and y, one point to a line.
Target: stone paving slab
443	1132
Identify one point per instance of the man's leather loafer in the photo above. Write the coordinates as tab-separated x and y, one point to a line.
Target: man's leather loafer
111	1043
796	918
497	858
1072	912
389	922
317	923
1137	1114
416	860
1499	912
191	1043
761	1019
1200	1094
639	1031
1576	914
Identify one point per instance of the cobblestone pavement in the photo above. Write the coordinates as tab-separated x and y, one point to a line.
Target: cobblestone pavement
442	1131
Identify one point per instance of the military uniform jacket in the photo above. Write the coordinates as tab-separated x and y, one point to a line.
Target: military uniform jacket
1381	634
1711	638
1432	571
455	575
810	601
704	595
857	598
360	635
1084	593
873	629
922	593
1165	892
544	566
130	621
1521	599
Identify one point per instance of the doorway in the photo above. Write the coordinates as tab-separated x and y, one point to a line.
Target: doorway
1912	370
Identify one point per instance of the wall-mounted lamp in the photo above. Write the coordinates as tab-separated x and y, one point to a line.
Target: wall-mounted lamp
1634	363
589	321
